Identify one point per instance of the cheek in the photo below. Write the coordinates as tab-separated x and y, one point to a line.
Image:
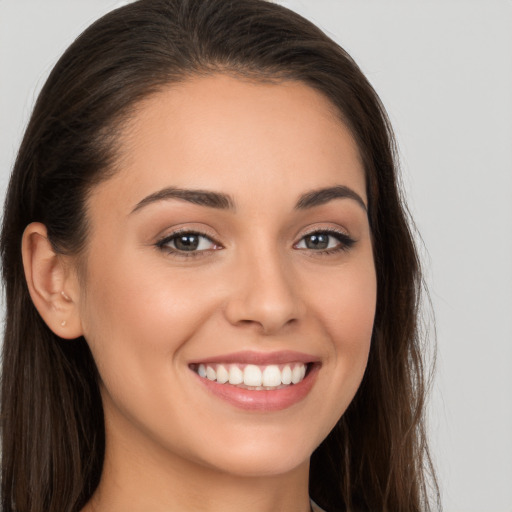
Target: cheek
347	315
349	308
138	314
136	320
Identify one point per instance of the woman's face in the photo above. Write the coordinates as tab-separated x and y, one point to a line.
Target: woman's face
233	241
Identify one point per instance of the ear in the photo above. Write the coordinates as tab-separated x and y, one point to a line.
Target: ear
52	283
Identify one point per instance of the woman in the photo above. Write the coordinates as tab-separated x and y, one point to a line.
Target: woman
215	303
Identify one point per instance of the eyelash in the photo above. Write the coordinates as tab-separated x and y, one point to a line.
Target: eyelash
163	244
345	242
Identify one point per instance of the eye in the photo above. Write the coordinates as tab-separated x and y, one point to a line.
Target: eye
325	241
187	242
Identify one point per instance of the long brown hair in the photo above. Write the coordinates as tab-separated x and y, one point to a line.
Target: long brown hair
376	457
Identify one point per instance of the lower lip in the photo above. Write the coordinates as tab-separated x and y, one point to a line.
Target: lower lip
262	400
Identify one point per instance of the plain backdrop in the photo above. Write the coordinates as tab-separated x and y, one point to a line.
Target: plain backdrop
443	69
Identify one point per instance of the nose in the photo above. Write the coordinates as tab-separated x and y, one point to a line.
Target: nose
264	294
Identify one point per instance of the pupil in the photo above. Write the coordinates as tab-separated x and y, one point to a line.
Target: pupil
317	241
187	242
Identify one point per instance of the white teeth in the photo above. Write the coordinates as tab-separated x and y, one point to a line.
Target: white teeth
286	377
236	375
271	376
222	374
296	375
211	374
252	376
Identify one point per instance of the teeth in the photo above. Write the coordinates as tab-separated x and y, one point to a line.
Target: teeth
252	376
236	375
211	374
286	377
296	374
271	376
222	374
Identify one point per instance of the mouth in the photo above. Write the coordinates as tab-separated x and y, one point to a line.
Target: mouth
258	382
253	377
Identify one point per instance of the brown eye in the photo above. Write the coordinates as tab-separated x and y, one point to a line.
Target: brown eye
187	242
317	241
328	241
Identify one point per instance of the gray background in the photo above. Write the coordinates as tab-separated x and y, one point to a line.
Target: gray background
444	71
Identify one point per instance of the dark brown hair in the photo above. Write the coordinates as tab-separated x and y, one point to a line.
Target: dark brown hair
376	457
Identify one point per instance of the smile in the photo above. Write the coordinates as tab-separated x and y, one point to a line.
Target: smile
258	382
253	377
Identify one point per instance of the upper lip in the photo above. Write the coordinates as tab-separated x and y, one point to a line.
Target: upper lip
260	358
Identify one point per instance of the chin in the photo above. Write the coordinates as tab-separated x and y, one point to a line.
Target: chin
256	463
260	454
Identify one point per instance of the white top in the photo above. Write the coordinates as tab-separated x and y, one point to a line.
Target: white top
315	507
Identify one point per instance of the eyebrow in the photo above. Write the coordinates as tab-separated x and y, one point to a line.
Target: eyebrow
223	201
201	197
324	195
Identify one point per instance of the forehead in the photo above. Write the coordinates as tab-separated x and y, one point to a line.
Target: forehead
237	135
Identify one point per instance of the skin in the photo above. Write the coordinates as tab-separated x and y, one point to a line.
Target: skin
146	312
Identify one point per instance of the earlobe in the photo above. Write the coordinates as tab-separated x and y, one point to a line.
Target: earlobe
52	285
